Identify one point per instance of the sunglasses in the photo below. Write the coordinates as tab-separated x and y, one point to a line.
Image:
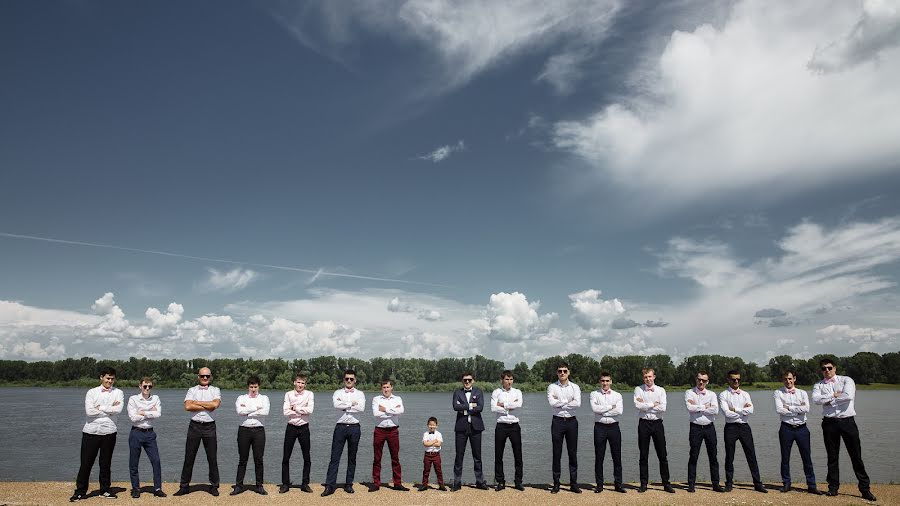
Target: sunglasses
734	379
468	380
146	387
349	379
207	376
562	371
827	368
703	380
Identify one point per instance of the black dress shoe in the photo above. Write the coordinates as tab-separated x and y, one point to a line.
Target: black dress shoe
181	491
238	489
348	489
814	491
422	488
400	488
305	488
500	486
620	489
759	487
598	489
575	488
482	486
831	492
867	495
328	491
456	486
374	488
441	488
668	488
282	489
261	490
729	487
159	493
555	489
135	493
214	491
642	488
719	489
519	487
787	488
691	489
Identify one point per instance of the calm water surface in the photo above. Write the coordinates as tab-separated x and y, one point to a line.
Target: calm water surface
41	437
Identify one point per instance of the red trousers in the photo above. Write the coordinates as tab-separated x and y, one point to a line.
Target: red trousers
432	459
392	436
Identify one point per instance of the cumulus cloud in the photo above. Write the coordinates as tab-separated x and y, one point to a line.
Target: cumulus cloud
509	317
769	313
865	338
442	153
591	311
732	108
231	281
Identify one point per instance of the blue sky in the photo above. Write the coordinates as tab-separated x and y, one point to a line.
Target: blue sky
517	179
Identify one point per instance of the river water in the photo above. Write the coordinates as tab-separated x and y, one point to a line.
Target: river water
41	435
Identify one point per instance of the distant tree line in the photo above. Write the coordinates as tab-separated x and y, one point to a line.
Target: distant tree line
417	374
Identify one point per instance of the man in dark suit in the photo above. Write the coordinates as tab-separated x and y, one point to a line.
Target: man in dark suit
468	402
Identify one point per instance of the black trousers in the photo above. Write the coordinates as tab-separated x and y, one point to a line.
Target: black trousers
565	429
610	433
735	432
91	445
247	438
295	433
698	435
833	429
206	433
343	433
647	430
502	432
474	439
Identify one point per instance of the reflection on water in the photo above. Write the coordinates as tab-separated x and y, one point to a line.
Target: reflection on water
41	436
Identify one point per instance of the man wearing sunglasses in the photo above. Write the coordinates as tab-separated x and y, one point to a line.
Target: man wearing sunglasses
792	405
737	408
836	394
202	400
348	403
468	403
564	398
143	408
702	406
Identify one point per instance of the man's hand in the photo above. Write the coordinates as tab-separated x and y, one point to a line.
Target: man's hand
692	402
500	403
639	399
748	405
656	404
837	393
382	408
117	403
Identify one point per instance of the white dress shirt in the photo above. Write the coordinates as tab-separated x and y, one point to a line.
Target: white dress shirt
650	396
835	407
348	403
101	414
706	408
252	410
733	402
298	407
511	399
564	399
198	393
393	408
791	405
151	407
436	436
607	406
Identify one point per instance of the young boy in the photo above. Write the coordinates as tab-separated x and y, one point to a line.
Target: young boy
432	440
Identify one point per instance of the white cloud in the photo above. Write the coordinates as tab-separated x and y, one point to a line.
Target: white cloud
442	153
509	317
734	108
877	30
862	338
231	281
563	71
590	311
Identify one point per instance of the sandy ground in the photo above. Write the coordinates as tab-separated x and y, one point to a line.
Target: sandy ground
21	493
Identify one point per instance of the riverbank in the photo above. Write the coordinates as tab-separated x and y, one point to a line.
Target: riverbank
51	493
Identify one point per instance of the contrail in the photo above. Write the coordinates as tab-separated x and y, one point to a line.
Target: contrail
316	272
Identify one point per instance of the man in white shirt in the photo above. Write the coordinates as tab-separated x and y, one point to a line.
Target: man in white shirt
251	407
202	400
348	402
737	407
606	404
143	408
298	405
650	401
792	405
564	398
387	408
702	407
102	406
505	401
836	395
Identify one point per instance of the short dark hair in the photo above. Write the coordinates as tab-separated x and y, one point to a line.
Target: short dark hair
733	372
107	370
786	372
349	371
432	419
562	363
385	381
702	372
506	373
301	376
467	373
253	380
605	374
826	360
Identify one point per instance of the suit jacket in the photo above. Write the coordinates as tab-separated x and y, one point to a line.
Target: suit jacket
460	405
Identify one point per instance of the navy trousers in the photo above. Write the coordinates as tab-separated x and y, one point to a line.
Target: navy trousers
787	435
145	439
343	433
